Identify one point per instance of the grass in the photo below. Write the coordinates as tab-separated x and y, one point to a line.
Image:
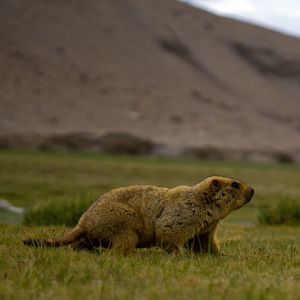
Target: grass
286	211
262	262
58	211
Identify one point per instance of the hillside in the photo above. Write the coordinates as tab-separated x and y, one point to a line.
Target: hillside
159	70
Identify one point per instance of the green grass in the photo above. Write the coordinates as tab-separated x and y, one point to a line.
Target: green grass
286	211
262	262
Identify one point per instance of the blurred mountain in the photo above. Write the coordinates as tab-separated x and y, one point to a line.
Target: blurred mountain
158	70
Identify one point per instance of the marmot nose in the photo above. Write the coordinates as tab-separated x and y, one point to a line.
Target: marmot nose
249	194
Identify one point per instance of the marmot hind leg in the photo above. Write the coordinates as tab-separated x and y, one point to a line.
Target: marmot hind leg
172	248
124	242
169	243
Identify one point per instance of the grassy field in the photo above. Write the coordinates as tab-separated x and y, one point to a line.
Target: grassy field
261	262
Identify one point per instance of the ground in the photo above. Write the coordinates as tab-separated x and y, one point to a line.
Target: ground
262	262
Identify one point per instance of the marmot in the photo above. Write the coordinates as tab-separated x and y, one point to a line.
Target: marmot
143	216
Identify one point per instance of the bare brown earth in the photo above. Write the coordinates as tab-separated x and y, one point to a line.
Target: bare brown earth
175	77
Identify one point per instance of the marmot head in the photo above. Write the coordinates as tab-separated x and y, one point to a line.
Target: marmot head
228	194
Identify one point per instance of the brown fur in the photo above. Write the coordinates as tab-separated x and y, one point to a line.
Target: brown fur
144	216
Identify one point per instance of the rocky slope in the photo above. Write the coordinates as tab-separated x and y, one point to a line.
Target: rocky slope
178	77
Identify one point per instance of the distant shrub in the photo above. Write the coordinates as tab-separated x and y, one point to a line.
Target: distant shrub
283	157
125	143
206	152
57	212
286	211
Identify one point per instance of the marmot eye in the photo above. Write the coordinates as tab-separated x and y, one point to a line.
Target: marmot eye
235	185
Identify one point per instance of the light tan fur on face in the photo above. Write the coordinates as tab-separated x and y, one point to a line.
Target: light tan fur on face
144	216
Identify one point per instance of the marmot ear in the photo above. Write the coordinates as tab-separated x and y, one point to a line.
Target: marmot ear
215	184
